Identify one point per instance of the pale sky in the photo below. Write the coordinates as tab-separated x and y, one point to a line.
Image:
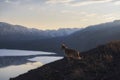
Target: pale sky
54	14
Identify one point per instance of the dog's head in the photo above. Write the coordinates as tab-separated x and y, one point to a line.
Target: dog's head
63	46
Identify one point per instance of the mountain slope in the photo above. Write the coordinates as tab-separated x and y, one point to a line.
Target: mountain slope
101	63
95	35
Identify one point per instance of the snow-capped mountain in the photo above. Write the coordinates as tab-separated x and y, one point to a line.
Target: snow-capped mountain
13	32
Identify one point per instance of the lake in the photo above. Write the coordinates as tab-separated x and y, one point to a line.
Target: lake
16	62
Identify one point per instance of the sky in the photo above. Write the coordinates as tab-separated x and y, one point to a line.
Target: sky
55	14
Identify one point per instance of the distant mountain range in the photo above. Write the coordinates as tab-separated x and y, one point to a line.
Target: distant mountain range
82	40
17	32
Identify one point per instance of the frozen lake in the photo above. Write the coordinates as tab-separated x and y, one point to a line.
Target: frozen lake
15	70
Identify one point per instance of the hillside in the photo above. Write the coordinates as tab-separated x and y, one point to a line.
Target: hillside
101	63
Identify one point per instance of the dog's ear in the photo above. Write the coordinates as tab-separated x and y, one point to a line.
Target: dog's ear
63	44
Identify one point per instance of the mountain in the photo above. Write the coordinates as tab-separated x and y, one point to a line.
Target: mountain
101	63
92	36
82	40
17	32
85	39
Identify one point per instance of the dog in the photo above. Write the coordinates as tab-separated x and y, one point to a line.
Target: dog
70	53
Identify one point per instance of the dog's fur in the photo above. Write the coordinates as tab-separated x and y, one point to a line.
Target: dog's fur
70	53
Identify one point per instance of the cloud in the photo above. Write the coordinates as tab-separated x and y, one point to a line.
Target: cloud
78	13
76	2
117	2
7	1
88	2
22	2
12	1
63	2
110	16
58	1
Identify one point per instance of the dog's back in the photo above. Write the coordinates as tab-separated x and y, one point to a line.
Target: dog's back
71	53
